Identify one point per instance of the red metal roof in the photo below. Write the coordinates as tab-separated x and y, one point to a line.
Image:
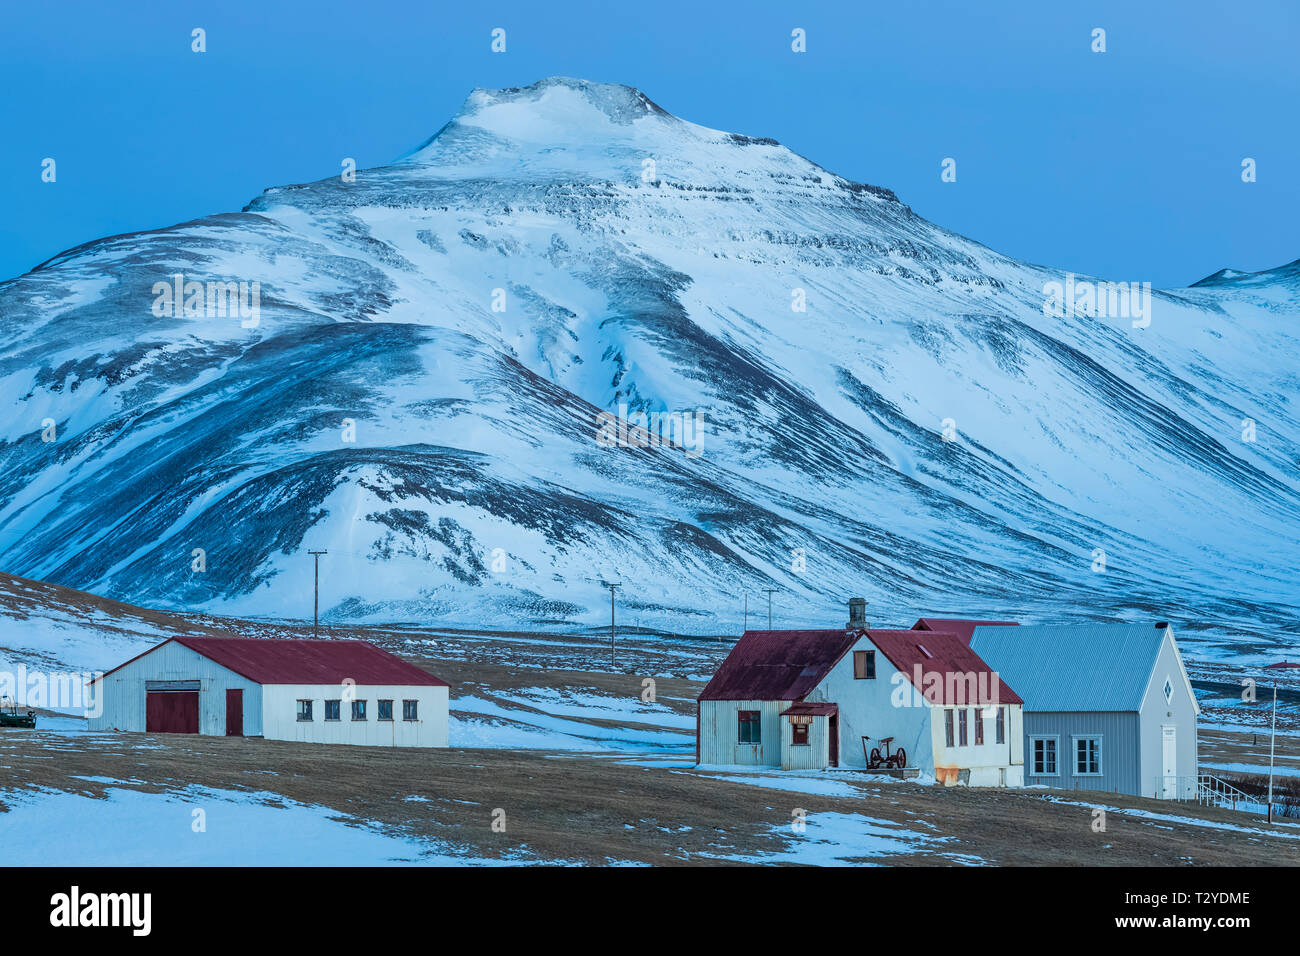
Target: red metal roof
778	665
949	657
805	709
963	628
304	662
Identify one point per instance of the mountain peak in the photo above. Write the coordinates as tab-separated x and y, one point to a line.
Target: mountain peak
1285	275
558	113
619	103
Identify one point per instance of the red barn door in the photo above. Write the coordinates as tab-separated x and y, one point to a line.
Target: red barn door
234	712
171	712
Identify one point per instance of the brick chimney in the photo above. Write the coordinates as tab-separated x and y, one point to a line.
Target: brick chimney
857	614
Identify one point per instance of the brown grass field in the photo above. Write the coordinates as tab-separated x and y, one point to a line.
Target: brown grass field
642	806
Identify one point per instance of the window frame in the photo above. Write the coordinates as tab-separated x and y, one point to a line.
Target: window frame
977	714
963	732
338	709
752	719
798	730
948	733
305	715
1075	740
868	668
379	709
1000	726
411	712
1056	755
359	706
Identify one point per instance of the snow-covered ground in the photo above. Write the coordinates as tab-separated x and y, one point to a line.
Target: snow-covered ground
199	827
1282	830
834	839
546	719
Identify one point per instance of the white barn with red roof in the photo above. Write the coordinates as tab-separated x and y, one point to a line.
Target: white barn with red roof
811	699
312	691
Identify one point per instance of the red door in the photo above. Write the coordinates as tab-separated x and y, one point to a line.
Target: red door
834	731
172	712
234	713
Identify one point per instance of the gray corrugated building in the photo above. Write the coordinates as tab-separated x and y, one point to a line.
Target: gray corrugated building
1107	706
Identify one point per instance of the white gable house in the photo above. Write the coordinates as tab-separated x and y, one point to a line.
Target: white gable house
830	698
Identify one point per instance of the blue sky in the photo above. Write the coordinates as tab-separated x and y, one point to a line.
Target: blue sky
1124	164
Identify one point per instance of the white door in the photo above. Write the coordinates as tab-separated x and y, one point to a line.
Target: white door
1169	762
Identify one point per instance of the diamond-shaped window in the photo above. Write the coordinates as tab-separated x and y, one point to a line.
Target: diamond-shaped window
1169	691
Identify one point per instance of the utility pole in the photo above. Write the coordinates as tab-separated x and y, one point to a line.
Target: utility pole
769	591
1272	738
315	603
611	623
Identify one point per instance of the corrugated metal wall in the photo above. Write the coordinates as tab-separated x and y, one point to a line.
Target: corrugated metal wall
119	698
719	723
1120	756
816	755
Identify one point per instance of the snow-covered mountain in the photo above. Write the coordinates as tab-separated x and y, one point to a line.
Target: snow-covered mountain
419	389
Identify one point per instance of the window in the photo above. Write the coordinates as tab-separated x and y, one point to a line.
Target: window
1043	751
1001	730
864	665
1087	756
977	715
385	710
1169	691
410	710
799	735
358	710
304	710
962	734
947	725
750	731
332	710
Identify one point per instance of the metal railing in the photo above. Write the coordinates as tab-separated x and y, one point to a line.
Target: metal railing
1217	792
1205	789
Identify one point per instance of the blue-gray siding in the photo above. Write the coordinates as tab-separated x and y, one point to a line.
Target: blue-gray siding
1120	749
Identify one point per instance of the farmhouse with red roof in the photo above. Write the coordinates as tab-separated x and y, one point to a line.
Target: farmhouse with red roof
316	691
863	697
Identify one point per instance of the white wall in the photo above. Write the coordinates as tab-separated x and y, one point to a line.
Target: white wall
280	715
990	764
1157	712
120	696
890	706
869	707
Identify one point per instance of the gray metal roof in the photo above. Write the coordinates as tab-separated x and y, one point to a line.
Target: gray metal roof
1073	668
